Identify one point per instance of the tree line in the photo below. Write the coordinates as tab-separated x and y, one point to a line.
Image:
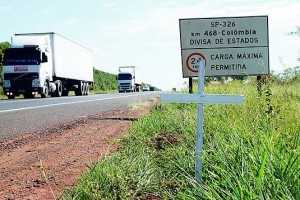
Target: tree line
3	45
104	81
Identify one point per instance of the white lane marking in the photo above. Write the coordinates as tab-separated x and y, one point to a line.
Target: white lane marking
57	104
37	99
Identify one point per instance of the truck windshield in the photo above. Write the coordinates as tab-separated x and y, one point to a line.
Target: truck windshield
21	56
124	77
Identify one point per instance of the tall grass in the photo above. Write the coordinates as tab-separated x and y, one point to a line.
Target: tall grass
251	151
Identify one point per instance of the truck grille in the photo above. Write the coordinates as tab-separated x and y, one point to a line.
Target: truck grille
125	86
21	84
20	76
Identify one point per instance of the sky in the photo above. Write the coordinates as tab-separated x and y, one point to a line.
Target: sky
145	33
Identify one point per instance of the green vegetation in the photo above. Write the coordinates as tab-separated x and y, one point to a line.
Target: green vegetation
2	96
251	151
289	76
104	81
3	45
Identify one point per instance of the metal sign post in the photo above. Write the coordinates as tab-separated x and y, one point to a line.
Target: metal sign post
199	138
200	98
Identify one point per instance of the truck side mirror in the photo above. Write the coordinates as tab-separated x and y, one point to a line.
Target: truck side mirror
44	58
116	77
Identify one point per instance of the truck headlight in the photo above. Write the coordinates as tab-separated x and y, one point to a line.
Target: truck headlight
6	84
36	83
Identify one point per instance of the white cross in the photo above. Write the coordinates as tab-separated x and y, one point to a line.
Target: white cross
201	98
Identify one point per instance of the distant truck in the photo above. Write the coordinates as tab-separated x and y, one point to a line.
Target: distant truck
46	64
129	79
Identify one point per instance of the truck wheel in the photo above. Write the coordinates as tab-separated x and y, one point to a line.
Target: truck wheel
58	91
46	91
79	90
87	89
83	88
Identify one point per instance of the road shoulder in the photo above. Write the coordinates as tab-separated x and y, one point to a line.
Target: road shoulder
40	164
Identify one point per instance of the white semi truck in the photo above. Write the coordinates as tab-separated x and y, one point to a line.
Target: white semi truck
129	79
46	64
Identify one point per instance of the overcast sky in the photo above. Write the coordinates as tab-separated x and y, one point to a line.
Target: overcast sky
145	33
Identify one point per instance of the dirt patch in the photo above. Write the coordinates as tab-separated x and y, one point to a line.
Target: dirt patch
39	165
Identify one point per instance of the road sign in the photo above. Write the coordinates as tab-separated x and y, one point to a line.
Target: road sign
230	46
192	61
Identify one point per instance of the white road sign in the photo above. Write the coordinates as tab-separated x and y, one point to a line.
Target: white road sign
229	46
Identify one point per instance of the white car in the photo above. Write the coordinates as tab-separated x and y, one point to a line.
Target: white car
146	88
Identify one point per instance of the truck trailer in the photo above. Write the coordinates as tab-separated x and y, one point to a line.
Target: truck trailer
129	79
46	64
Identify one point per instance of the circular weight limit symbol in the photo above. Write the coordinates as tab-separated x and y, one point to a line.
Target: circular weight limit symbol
192	61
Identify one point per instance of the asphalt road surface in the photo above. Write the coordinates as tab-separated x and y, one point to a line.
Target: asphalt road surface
22	116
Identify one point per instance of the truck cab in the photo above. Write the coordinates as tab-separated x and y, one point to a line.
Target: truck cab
25	67
129	79
46	64
126	82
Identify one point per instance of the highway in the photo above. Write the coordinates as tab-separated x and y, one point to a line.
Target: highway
22	116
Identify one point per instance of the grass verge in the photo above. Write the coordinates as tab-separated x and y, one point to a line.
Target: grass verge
250	151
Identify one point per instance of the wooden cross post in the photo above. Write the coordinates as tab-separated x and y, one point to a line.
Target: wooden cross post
201	98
